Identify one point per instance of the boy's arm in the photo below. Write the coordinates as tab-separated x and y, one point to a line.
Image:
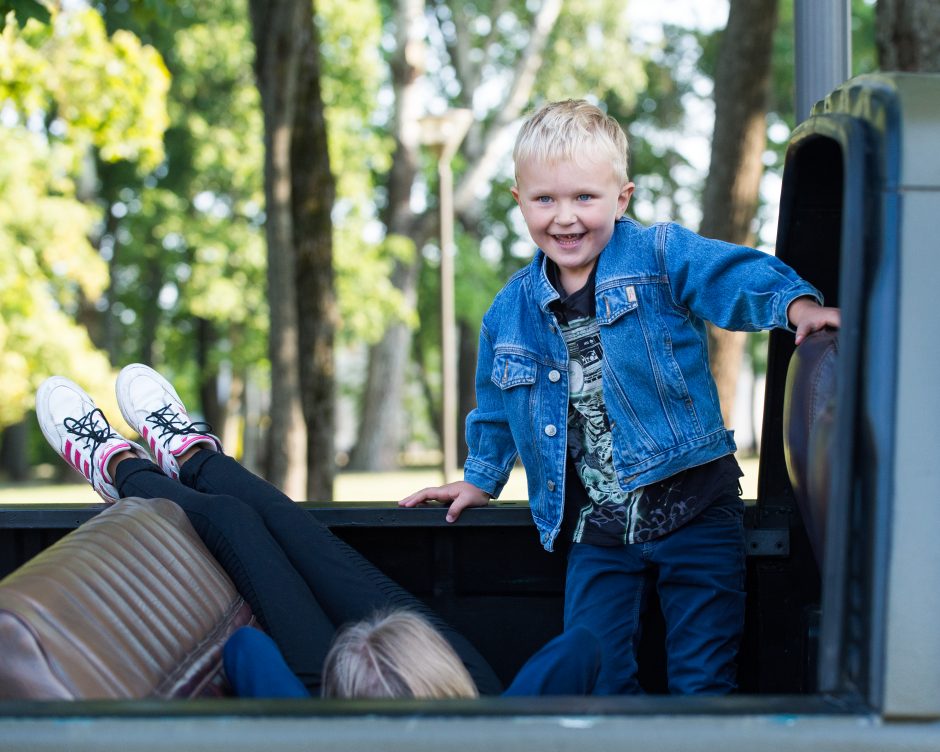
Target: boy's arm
732	286
492	450
807	316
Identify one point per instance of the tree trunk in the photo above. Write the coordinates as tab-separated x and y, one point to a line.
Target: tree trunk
213	410
14	452
908	35
313	194
380	424
742	82
277	68
150	312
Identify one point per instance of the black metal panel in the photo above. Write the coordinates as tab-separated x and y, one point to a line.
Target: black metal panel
488	576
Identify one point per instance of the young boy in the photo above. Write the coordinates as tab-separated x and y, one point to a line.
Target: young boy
593	366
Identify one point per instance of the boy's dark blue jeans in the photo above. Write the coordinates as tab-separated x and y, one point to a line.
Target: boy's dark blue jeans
698	572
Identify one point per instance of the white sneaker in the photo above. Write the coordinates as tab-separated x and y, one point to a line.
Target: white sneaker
150	404
80	433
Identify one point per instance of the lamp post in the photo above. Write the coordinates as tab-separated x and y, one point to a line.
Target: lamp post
823	50
443	134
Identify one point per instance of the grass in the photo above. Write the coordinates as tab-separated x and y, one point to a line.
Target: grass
349	487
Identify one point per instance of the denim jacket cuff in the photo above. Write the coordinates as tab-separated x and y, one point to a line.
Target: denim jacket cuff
485	477
800	289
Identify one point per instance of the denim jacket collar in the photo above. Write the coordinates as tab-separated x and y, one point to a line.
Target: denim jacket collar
543	291
614	296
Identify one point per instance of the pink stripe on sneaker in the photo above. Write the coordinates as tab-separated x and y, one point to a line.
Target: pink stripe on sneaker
85	470
73	456
187	443
103	459
160	458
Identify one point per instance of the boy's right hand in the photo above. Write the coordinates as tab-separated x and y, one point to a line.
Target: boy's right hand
458	494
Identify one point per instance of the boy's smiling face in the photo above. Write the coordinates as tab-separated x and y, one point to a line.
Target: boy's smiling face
570	209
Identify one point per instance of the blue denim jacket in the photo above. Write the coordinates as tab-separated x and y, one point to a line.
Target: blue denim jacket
656	287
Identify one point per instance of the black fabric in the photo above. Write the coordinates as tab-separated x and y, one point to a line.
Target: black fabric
301	581
578	304
671	503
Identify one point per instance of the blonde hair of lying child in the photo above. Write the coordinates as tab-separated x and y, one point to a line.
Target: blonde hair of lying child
395	654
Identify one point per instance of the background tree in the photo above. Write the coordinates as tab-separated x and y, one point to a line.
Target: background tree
298	199
70	93
729	204
313	193
531	52
184	243
187	249
379	431
908	35
278	53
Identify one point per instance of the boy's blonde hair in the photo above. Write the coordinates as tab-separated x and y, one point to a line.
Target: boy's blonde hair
569	131
396	654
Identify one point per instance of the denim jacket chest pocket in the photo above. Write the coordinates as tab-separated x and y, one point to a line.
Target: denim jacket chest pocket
615	303
513	369
516	375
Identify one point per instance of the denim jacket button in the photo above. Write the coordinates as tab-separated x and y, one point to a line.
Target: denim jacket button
550	485
553	376
550	430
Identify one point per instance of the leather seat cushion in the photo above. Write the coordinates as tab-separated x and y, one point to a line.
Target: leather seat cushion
129	605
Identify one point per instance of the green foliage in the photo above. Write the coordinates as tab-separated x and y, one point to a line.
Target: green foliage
24	10
186	243
864	48
590	55
46	264
67	89
368	299
131	194
662	173
353	74
88	89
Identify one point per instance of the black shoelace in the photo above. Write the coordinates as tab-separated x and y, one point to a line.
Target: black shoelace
168	420
90	431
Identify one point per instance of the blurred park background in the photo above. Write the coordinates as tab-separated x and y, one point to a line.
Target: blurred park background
245	195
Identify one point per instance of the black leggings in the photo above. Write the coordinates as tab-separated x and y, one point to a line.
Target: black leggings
301	581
